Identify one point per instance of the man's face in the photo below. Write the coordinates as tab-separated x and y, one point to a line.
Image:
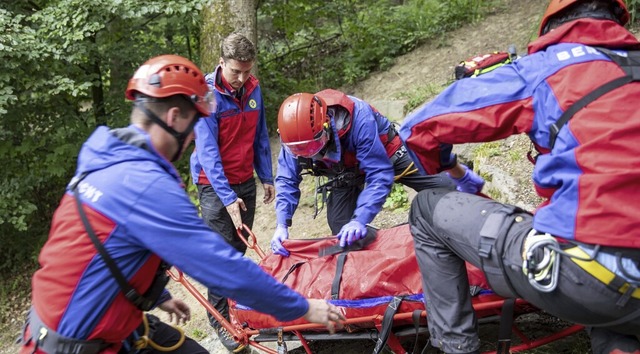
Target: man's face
236	72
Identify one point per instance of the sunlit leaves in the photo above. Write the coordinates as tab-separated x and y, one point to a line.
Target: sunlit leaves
60	60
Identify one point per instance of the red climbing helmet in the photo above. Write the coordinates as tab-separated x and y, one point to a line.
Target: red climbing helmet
303	124
167	75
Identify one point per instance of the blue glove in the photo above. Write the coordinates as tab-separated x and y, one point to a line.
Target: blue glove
351	232
470	182
281	234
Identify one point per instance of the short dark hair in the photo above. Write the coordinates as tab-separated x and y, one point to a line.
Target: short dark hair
237	47
159	106
599	9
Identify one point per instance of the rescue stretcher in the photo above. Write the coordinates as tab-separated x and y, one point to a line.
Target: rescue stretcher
376	283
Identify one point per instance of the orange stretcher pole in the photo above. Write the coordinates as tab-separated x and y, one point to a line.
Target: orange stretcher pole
238	335
253	241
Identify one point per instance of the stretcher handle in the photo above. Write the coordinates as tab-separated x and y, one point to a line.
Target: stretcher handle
239	336
253	241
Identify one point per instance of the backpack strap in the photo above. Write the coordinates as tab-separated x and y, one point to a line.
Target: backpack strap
387	323
143	302
631	66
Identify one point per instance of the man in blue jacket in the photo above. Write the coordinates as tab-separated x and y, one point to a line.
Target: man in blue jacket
125	217
344	138
578	256
230	144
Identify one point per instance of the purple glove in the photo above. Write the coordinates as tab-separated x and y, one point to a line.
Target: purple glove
470	182
281	234
351	232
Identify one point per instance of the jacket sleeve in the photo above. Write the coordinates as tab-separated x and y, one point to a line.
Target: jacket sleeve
287	187
489	107
373	161
208	155
167	223
261	149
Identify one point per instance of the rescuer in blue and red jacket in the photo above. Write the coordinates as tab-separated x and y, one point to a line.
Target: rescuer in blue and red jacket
578	256
230	144
125	216
344	138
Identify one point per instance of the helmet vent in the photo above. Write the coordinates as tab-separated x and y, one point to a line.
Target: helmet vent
312	111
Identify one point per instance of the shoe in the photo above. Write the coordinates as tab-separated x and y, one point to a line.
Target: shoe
227	340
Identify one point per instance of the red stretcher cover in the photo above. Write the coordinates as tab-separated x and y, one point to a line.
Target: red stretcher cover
369	280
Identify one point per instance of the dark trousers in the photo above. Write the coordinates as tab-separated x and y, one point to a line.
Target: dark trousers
165	336
342	201
446	230
216	216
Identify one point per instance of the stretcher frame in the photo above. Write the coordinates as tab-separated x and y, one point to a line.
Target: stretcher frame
305	332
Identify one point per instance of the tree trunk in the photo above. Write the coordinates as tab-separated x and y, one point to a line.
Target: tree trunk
222	18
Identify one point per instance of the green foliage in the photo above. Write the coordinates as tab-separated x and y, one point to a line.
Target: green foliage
310	45
398	199
65	65
634	7
488	149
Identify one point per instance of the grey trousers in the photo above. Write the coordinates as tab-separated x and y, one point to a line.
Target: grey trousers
342	201
446	229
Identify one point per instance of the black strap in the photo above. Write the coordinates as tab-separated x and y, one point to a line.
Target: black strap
630	64
506	321
130	293
415	317
335	286
51	341
387	323
293	267
371	235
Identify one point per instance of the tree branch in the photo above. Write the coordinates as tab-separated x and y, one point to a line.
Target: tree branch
303	47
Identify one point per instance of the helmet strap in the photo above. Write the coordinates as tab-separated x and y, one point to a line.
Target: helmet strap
180	137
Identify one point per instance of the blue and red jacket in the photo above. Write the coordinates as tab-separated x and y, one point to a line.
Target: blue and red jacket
136	204
233	140
364	140
591	178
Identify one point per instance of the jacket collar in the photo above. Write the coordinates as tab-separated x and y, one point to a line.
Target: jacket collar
591	32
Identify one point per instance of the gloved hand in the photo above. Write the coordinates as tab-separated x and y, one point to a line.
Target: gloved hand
281	234
471	182
351	232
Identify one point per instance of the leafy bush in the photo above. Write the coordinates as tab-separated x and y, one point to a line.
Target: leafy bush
398	199
65	65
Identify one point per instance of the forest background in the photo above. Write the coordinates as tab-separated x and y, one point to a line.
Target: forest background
65	64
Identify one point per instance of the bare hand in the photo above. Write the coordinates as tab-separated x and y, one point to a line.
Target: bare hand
322	312
177	308
234	211
269	193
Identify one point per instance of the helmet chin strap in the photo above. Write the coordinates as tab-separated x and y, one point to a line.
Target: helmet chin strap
180	137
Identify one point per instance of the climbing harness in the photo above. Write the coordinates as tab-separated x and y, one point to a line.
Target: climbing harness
541	263
409	170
